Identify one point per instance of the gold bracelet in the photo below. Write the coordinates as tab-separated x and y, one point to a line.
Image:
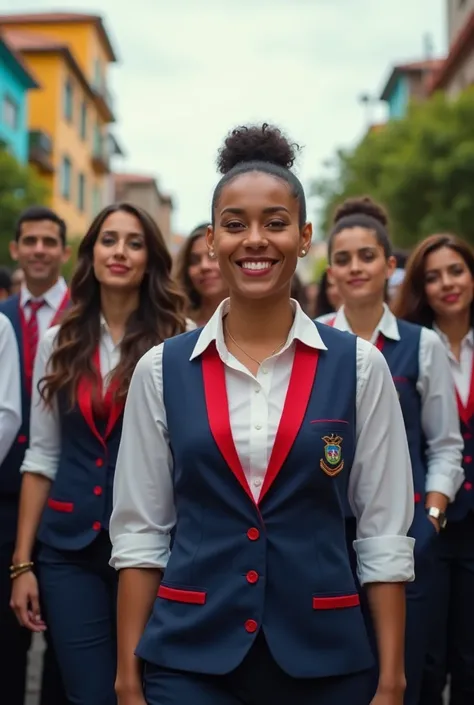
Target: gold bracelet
19	566
16	574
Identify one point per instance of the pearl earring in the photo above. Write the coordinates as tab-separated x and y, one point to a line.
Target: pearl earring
212	254
303	252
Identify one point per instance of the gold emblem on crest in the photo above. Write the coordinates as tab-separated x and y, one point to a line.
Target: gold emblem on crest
332	463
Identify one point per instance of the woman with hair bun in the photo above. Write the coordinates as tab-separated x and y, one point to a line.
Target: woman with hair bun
361	262
124	302
244	439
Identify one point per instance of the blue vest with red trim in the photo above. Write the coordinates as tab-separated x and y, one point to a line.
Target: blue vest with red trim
464	500
80	500
280	565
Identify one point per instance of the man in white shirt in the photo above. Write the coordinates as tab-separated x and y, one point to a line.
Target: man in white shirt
40	250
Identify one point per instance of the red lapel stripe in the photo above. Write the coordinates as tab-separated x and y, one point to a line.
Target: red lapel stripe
467	412
62	307
215	393
301	383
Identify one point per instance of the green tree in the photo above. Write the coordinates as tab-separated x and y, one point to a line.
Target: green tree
421	168
20	187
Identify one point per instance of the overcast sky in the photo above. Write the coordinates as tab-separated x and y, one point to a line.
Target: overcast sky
190	70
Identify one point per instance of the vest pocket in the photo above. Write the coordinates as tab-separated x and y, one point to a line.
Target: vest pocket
186	595
335	602
58	506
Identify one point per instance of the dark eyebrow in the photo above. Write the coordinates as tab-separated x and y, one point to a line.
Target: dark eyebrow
360	249
241	211
114	232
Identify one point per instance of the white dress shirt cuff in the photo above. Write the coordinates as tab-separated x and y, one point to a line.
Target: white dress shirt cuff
140	551
385	559
444	483
39	465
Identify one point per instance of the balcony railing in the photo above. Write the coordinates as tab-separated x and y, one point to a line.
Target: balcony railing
101	158
41	150
105	99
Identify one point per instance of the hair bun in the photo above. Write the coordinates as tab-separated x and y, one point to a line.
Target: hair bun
361	206
256	144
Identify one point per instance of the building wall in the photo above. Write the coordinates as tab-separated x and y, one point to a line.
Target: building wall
145	196
47	112
458	14
398	100
13	104
463	76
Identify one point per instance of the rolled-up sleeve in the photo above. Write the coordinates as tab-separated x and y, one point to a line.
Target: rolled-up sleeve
439	418
10	386
144	512
380	491
42	456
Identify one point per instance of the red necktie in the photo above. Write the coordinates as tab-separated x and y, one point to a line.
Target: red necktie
32	333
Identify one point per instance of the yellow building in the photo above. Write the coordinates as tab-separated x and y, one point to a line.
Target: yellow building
69	116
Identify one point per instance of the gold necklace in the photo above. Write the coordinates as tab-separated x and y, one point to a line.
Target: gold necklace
259	362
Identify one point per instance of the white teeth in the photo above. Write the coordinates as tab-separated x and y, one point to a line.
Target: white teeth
256	265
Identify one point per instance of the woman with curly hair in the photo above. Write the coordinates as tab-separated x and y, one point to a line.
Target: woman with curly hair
243	440
124	302
199	277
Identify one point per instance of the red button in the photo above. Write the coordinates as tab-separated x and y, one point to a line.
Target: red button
251	626
98	491
97	526
252	576
467	436
468	486
99	462
253	534
417	497
468	459
22	439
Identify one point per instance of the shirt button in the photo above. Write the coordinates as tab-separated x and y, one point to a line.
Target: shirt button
468	459
252	576
99	462
257	391
468	486
97	526
98	491
253	534
251	626
258	427
264	370
257	483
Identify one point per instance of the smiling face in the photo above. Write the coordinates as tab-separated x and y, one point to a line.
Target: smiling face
120	254
449	283
40	251
359	266
204	272
256	236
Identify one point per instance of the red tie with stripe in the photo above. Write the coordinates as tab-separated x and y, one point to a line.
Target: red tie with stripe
32	333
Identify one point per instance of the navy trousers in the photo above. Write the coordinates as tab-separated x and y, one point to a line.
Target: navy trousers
451	642
418	595
15	641
257	681
80	593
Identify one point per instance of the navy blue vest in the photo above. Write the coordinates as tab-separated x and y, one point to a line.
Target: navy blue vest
464	501
281	564
80	500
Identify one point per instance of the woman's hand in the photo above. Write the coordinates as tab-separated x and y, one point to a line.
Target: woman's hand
129	695
25	602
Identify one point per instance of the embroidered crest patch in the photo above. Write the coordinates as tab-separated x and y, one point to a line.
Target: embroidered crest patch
333	462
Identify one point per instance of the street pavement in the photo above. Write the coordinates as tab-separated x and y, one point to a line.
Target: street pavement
34	671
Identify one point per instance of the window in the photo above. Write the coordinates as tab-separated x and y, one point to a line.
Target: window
81	192
66	174
68	100
98	75
83	127
10	113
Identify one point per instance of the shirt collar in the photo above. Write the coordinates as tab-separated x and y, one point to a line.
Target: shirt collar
387	325
303	329
53	297
467	340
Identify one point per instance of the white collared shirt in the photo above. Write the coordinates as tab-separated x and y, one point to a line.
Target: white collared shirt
439	414
380	494
43	452
460	369
10	387
53	299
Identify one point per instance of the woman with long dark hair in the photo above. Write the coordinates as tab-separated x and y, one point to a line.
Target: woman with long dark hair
199	277
361	262
124	302
328	299
244	439
438	292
